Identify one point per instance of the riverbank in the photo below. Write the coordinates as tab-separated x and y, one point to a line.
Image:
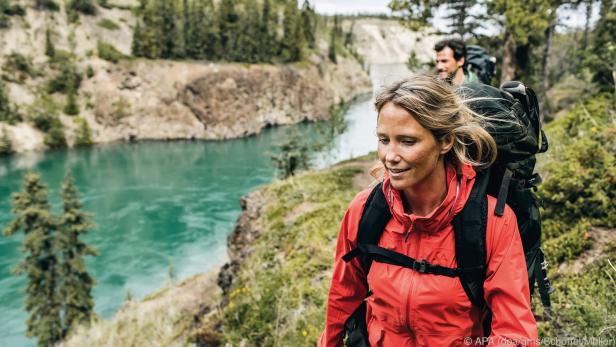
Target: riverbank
278	222
131	99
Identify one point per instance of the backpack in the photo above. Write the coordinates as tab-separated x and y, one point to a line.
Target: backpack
510	179
478	61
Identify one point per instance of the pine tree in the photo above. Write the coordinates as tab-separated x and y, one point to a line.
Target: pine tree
462	21
169	33
6	145
195	31
293	43
186	28
6	111
248	40
267	33
309	24
71	107
603	48
212	40
333	57
83	135
33	217
136	48
76	286
228	23
50	50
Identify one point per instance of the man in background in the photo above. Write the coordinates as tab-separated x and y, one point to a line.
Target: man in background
450	62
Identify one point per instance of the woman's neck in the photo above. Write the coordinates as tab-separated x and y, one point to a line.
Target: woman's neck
427	195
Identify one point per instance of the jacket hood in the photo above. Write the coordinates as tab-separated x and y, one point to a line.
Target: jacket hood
459	186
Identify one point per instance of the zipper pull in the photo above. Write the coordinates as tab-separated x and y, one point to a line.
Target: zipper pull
408	231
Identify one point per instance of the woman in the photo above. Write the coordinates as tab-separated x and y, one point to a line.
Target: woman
424	132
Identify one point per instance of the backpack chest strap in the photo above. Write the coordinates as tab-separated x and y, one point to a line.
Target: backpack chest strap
384	255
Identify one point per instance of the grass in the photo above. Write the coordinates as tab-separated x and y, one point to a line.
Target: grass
108	24
279	296
164	318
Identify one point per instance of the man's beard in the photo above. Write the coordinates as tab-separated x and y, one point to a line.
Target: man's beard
450	77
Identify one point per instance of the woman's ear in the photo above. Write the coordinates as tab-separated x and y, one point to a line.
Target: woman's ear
446	143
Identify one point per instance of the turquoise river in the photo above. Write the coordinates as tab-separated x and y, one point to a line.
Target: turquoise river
158	205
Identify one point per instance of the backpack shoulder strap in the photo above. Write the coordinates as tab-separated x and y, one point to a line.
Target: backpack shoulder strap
470	234
374	218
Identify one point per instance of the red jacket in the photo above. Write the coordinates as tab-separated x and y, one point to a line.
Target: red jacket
408	308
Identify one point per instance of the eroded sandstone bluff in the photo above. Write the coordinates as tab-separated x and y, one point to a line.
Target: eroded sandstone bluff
182	100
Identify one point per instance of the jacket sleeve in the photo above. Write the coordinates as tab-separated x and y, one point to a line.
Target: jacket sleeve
506	287
348	287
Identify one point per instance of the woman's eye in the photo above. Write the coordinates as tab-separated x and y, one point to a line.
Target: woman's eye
408	142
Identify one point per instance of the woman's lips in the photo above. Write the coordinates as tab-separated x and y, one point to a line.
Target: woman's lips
395	173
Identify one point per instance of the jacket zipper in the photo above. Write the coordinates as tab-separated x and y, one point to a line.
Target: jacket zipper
412	288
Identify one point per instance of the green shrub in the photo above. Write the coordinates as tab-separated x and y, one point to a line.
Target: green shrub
569	244
6	145
18	62
55	137
9	9
109	52
18	67
90	71
42	112
583	303
83	134
48	5
7	111
62	82
108	24
581	170
120	109
84	6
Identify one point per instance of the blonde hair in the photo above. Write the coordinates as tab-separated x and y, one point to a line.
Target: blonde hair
436	106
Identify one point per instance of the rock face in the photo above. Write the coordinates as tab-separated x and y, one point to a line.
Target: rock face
159	99
382	41
186	100
244	232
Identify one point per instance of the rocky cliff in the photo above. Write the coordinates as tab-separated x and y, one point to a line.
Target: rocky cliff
158	99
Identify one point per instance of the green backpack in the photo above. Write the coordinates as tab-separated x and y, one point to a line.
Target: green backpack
482	64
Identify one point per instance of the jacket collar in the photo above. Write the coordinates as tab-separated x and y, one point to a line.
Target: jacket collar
459	185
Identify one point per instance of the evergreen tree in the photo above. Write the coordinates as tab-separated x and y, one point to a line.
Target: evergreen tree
248	40
136	49
603	62
212	40
83	134
309	24
195	31
50	50
267	32
462	21
6	145
6	111
71	107
228	23
293	42
33	218
333	41
186	28
169	33
76	286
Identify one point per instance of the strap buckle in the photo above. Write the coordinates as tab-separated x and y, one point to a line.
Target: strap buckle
420	266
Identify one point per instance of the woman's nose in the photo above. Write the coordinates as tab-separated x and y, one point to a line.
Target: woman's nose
391	155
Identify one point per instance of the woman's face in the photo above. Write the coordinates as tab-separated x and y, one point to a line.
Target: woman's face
409	152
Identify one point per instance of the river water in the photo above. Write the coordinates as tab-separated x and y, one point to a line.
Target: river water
160	205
